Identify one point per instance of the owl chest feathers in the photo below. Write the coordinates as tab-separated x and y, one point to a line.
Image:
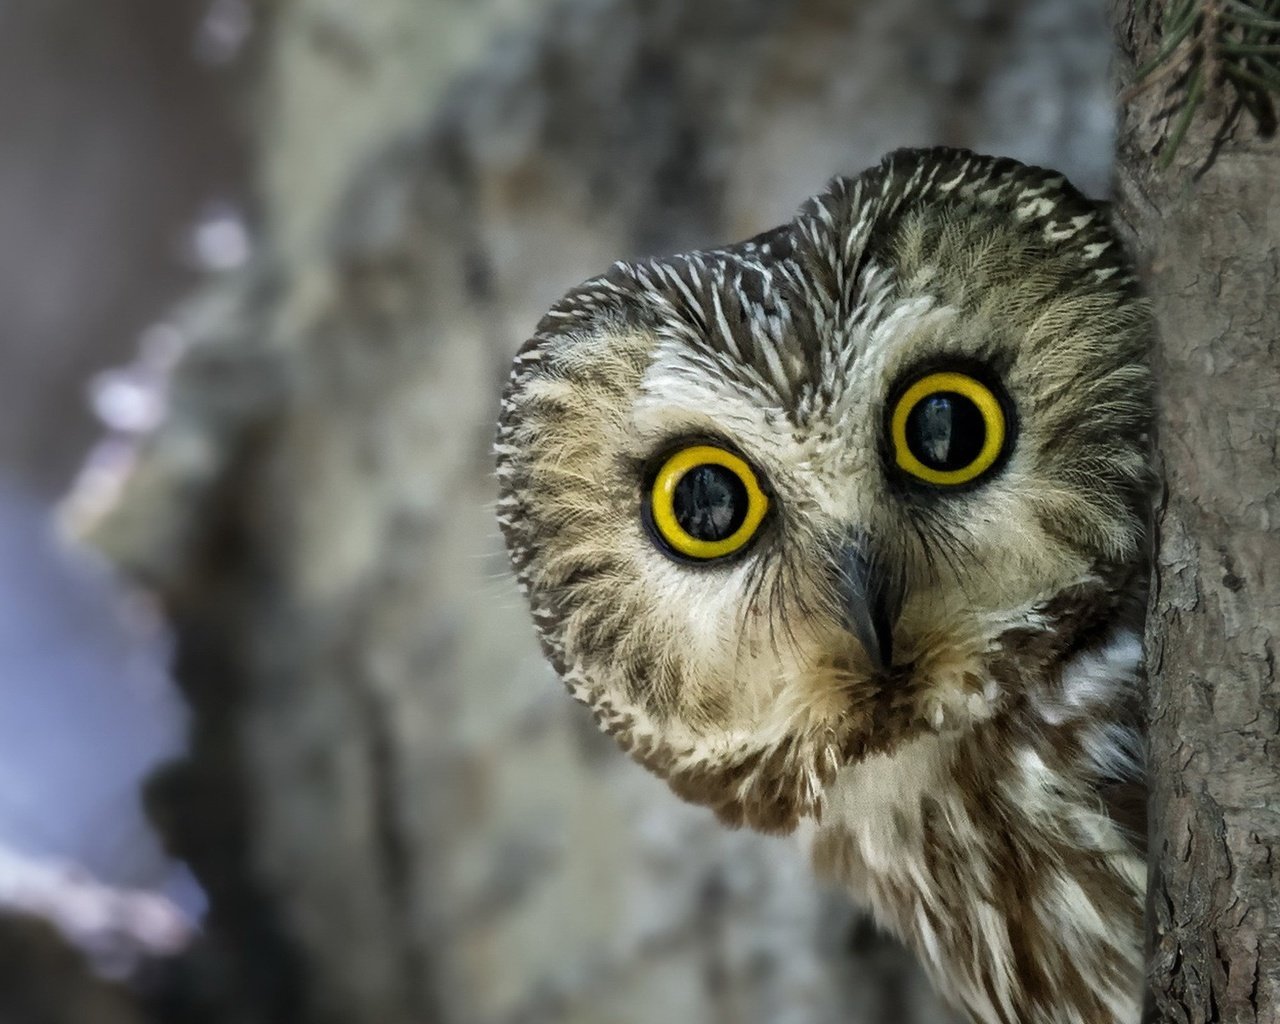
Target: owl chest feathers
995	855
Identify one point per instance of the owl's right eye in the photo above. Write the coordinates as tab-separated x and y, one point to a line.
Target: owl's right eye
705	503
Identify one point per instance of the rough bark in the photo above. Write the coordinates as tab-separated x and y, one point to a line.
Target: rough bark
397	813
1208	231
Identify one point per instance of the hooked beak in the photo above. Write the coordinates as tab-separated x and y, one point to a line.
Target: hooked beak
869	601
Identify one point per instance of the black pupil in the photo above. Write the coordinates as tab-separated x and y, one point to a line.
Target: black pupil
946	431
710	502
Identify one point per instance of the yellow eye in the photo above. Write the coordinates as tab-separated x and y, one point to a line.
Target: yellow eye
706	503
947	429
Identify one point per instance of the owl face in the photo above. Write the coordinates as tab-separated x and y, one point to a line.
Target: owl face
789	503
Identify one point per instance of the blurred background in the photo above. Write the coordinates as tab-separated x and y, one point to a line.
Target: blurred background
276	741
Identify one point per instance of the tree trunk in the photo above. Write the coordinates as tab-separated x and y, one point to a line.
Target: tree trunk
398	815
1207	228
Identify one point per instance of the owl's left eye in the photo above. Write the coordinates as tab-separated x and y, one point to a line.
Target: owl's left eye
948	429
705	503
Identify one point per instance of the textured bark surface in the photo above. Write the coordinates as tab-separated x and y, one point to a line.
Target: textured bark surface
1208	230
397	813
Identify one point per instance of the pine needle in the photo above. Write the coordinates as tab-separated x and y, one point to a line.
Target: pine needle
1215	49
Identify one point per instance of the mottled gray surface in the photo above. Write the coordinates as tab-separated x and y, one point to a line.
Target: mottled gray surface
399	787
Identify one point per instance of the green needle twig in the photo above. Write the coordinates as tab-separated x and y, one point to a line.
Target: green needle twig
1207	46
1195	92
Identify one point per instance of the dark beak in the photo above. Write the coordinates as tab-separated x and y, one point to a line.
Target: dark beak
868	599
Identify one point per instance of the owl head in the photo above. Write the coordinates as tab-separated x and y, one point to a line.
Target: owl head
785	504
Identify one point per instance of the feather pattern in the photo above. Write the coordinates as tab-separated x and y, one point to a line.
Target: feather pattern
982	791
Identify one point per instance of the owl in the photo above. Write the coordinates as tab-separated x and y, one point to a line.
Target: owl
843	528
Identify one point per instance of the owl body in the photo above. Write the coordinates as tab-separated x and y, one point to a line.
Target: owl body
845	526
997	862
